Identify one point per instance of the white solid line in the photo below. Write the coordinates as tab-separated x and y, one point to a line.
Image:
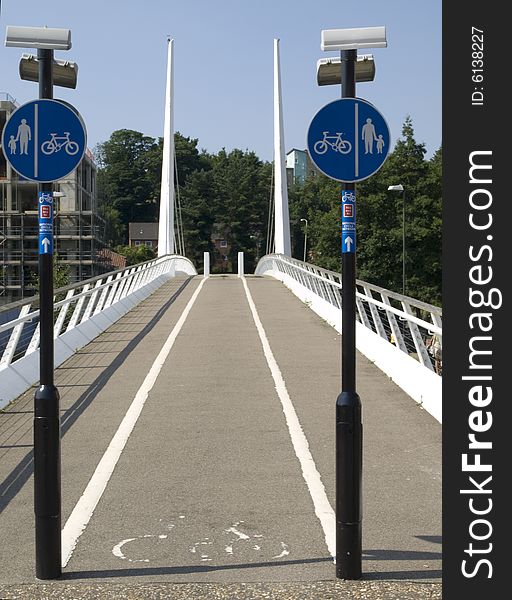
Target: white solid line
84	509
356	140
323	508
36	141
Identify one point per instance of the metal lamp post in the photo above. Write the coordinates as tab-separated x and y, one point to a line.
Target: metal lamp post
349	429
305	238
47	482
400	188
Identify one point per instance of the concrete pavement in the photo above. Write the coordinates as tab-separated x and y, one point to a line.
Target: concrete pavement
208	491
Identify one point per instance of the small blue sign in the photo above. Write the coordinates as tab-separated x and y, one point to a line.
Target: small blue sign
45	213
348	140
348	221
44	140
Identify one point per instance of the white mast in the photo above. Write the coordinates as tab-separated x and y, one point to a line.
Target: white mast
282	218
166	239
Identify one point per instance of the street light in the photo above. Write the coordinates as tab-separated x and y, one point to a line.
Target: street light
400	188
305	238
352	39
47	485
349	428
328	70
64	72
42	38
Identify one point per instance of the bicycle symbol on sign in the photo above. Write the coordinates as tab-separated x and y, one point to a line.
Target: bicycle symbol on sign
333	141
60	141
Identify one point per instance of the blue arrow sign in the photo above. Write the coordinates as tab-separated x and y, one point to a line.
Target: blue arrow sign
348	140
44	140
348	221
45	214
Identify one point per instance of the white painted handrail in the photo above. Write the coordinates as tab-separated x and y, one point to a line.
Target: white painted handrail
86	310
393	330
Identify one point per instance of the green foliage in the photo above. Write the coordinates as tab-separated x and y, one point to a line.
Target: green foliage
136	254
129	176
198	215
241	185
126	182
229	192
61	276
380	231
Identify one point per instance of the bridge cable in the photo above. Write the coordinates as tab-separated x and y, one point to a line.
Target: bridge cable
179	219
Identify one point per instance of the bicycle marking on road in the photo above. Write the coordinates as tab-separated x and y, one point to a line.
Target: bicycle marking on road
117	551
323	508
86	505
240	545
284	552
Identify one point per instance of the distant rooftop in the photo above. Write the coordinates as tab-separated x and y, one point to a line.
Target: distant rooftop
294	150
143	231
6	97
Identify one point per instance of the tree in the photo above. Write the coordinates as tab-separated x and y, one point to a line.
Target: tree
229	192
379	221
136	254
198	215
241	186
125	182
61	276
129	177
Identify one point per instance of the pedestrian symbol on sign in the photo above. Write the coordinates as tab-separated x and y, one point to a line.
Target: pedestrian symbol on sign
24	135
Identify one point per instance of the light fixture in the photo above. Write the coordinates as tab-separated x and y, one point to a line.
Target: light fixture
352	39
400	188
43	38
328	70
65	72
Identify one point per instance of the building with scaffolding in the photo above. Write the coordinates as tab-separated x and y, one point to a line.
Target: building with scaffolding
78	228
298	167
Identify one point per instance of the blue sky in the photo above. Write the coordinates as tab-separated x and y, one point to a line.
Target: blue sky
224	61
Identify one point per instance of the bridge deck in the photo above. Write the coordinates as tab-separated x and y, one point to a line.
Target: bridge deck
209	487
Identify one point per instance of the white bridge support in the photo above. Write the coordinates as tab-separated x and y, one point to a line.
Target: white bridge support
88	309
281	217
240	264
381	313
166	237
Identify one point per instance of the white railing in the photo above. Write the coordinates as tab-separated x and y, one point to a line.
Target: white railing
81	312
392	330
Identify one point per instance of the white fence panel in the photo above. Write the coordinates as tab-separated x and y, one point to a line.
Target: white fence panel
116	293
392	330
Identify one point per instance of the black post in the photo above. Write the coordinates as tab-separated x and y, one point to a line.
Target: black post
47	492
349	429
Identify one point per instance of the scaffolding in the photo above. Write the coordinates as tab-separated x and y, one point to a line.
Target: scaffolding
78	229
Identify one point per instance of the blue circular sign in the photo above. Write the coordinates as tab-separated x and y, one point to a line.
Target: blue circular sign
44	140
348	140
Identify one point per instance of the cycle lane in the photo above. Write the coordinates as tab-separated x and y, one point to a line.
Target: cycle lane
96	387
208	487
402	442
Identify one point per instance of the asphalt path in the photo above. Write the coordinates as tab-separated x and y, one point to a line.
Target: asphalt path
209	488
